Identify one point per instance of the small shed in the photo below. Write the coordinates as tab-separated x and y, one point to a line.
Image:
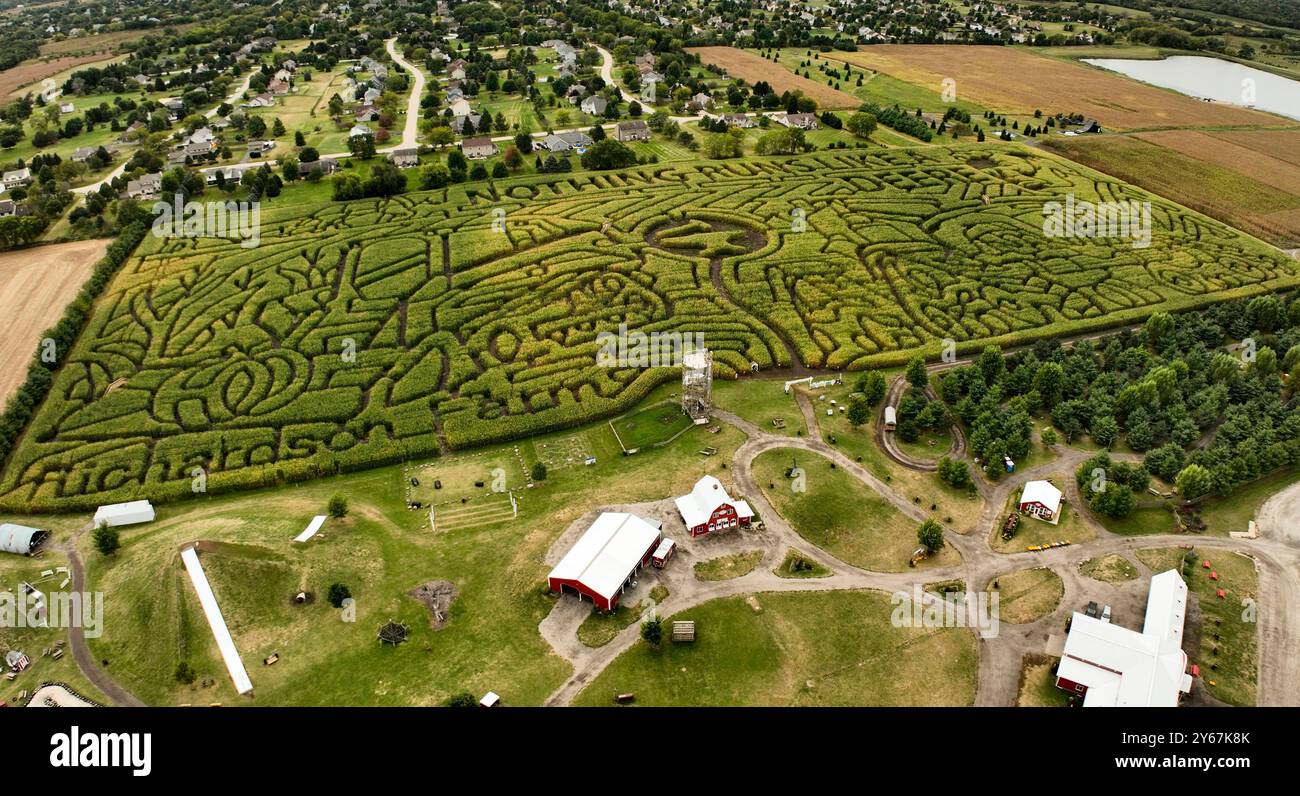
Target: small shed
131	513
683	631
663	552
490	700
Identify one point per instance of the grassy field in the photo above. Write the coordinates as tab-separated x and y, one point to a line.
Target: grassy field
1113	568
797	649
1223	515
1038	684
1227	646
736	565
651	426
1027	595
353	336
381	551
1034	532
599	629
955	508
797	565
841	515
761	401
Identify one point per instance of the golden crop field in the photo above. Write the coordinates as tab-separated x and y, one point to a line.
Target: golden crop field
753	68
1016	81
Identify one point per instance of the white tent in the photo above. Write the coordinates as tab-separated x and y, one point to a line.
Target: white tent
225	643
312	528
124	513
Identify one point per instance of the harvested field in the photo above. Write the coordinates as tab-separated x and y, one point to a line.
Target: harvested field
753	68
1017	81
29	73
106	42
35	285
1232	176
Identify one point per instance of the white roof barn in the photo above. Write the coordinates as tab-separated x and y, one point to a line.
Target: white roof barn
604	558
124	513
705	499
1042	493
1114	666
20	539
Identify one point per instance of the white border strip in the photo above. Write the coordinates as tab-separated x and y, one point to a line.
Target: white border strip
316	523
213	611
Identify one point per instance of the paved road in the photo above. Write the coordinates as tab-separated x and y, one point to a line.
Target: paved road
607	73
411	132
1001	658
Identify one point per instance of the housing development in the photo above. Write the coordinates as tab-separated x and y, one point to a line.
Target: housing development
608	353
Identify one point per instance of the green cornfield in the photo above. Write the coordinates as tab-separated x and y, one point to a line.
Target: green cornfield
375	331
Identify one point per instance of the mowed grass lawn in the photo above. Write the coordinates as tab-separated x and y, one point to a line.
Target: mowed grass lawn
840	514
380	551
652	425
1028	595
805	649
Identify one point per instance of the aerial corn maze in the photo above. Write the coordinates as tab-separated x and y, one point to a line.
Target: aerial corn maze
374	331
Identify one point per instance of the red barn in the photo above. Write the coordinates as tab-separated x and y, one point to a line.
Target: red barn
602	562
709	509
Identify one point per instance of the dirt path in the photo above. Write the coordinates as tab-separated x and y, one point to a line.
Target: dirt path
81	652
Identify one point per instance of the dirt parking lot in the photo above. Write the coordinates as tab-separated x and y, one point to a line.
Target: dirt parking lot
35	285
1279	517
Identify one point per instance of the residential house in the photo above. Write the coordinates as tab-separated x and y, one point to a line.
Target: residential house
802	121
13	179
325	166
367	113
405	158
359	130
458	122
83	153
478	147
67	107
456	69
278	88
635	130
594	105
739	120
147	187
563	142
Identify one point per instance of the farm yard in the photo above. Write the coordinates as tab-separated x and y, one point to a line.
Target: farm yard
373	332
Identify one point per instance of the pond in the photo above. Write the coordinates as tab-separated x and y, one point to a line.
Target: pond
1212	78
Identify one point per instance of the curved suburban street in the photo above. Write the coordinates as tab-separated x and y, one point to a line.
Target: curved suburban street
1000	658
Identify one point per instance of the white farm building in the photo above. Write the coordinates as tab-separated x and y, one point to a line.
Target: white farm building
131	513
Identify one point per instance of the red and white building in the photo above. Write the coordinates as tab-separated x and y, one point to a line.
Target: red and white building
709	509
1041	499
604	560
1112	666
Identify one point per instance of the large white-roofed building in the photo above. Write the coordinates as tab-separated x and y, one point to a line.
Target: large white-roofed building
602	562
1113	666
709	509
124	513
